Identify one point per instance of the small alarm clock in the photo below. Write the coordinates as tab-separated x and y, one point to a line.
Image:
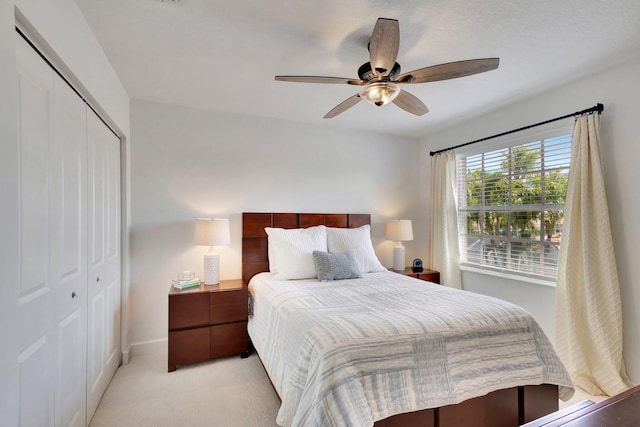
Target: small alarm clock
417	265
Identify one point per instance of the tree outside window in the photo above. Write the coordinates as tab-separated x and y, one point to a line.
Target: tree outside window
511	206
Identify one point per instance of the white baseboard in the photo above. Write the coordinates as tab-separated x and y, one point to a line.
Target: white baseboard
147	347
125	355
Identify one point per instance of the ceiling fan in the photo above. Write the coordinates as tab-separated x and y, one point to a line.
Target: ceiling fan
380	77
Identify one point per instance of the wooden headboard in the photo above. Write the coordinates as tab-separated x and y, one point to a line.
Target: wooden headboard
255	255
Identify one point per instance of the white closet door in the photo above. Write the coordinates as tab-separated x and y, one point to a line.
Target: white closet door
69	298
69	225
104	259
37	295
52	302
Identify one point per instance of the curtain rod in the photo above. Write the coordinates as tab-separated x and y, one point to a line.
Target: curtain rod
598	108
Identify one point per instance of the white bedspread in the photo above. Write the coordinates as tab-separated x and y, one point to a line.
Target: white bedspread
351	352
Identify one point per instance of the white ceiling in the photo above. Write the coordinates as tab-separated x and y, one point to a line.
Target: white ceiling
223	54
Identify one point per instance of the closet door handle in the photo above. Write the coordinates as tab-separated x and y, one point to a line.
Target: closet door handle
98	279
74	294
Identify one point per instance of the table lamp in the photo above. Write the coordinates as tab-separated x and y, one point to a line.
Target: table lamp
399	230
212	232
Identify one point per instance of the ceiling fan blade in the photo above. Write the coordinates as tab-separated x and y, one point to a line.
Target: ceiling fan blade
384	45
320	79
450	70
410	103
343	106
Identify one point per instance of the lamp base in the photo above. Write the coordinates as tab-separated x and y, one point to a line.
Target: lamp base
211	269
398	258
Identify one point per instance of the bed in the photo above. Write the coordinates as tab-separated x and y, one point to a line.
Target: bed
388	350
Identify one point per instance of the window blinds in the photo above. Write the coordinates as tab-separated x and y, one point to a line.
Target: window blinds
511	206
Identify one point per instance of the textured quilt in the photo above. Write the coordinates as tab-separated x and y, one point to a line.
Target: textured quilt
351	352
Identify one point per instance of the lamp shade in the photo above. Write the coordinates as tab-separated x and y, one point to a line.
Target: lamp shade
380	93
212	232
399	230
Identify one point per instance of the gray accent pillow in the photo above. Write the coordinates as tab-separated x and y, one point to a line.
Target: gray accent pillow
336	266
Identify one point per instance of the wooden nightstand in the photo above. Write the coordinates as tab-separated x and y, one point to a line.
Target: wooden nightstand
426	274
208	321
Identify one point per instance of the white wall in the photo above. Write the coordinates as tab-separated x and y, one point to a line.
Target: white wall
619	91
8	217
62	29
188	163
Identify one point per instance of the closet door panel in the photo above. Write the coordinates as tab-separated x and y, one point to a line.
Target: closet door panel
36	388
35	93
96	189
104	258
96	345
113	330
113	258
71	386
96	362
36	300
68	196
112	208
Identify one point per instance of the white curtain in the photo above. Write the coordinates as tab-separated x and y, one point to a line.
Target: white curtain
444	250
588	307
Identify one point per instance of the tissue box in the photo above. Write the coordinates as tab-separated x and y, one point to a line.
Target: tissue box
186	275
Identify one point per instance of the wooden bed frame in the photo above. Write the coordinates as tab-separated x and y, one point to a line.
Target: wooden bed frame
507	407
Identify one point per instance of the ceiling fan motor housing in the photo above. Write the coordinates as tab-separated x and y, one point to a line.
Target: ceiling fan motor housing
367	74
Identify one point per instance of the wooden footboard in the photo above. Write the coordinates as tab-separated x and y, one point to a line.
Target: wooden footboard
502	408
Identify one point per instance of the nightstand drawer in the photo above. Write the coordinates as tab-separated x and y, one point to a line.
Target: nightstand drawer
189	346
229	339
188	310
229	306
430	276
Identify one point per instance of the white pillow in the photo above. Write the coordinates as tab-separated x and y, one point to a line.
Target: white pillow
291	251
358	241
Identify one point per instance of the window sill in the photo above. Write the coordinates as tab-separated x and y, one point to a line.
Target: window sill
506	275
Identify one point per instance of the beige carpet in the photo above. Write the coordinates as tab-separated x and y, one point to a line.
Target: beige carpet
579	396
228	392
223	392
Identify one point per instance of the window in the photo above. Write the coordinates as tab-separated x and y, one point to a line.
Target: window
511	206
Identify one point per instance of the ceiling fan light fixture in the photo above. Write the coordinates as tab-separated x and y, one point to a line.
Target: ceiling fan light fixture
380	76
380	93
